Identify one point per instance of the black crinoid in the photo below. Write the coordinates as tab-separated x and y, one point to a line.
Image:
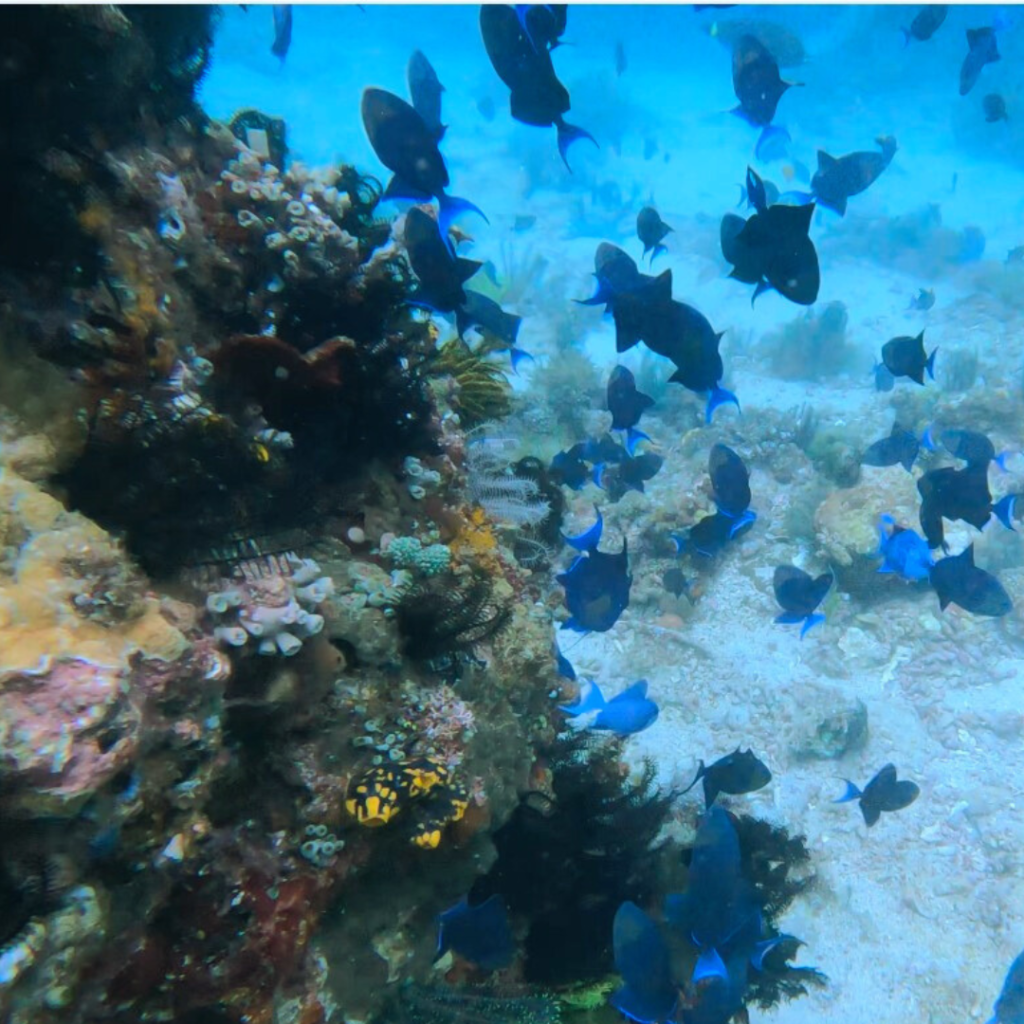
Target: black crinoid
777	865
416	1004
444	617
568	858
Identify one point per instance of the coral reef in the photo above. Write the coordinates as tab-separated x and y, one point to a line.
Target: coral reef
811	346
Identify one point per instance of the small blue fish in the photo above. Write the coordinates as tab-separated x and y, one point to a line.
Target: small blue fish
707	537
627	713
799	595
1009	1007
903	551
649	992
479	934
596	584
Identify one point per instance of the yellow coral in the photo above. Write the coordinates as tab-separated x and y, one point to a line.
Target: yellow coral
38	617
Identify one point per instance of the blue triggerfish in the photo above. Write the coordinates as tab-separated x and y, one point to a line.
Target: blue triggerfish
649	993
899	448
882	793
407	147
282	30
736	773
651	230
441	275
904	552
627	404
500	327
425	90
926	23
981	50
772	249
905	357
480	934
950	493
839	178
708	536
537	96
1009	1007
971	446
957	580
730	481
799	594
758	86
596	585
719	912
626	713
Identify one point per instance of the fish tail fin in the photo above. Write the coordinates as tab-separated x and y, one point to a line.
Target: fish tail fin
928	437
588	539
1000	459
745	517
719	396
657	251
448	208
591	699
1004	509
602	296
518	355
696	778
709	965
851	793
567	135
930	364
598	475
907	462
679	542
810	622
633	438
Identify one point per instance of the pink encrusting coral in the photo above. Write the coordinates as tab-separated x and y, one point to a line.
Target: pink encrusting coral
444	723
67	727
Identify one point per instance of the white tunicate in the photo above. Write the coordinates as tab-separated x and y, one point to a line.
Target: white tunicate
233	636
239	187
296	209
276	240
413	467
320	830
247	219
288	645
317	592
267	647
217	603
417	492
304	570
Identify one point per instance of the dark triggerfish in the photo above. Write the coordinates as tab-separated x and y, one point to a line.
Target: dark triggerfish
596	585
758	85
981	50
1009	1007
537	96
905	357
736	773
957	580
839	178
407	147
627	404
883	793
926	23
651	229
799	594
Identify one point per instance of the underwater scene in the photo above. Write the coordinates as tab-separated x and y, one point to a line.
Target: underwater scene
510	514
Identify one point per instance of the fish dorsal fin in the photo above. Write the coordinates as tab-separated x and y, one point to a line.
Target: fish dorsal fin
825	162
466	268
638	691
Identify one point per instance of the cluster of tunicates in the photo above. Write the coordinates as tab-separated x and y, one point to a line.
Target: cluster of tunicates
420	481
320	845
277	628
388	747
